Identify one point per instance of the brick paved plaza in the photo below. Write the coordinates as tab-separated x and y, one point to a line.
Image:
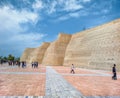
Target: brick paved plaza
57	82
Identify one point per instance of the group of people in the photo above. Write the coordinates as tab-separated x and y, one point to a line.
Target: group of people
23	64
114	77
12	63
1	62
17	63
34	64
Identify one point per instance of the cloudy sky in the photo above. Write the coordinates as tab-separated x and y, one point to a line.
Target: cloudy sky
28	23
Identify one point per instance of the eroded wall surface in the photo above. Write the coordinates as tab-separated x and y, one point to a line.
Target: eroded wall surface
97	48
26	56
38	53
56	51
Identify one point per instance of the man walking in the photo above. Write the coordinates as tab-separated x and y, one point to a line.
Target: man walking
114	77
72	69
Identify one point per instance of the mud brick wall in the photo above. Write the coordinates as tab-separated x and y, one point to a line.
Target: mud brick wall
26	56
56	51
95	48
38	53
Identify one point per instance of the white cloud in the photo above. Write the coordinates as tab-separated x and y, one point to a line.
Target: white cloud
63	5
10	19
72	5
37	5
52	8
86	1
74	14
28	37
63	18
16	43
105	11
70	15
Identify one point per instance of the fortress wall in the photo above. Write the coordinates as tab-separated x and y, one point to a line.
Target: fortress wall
106	50
56	51
77	52
97	48
27	54
38	53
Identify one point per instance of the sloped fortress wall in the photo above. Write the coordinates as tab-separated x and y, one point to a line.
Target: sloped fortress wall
106	47
77	51
38	53
27	54
56	51
97	48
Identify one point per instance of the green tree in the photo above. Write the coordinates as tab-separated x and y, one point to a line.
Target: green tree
17	59
10	57
5	58
1	57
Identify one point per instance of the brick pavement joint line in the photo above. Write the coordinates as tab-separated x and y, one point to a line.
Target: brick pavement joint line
58	87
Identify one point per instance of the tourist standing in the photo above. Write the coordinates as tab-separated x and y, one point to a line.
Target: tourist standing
114	77
72	69
23	64
32	64
36	64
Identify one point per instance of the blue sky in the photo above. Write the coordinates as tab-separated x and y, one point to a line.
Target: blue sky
28	23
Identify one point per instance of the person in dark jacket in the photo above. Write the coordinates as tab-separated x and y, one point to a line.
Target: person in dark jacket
114	77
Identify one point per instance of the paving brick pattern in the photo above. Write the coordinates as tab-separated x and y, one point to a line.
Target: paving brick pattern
57	87
16	81
57	82
95	86
40	69
93	83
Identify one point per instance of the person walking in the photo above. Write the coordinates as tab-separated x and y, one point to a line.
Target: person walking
114	77
72	69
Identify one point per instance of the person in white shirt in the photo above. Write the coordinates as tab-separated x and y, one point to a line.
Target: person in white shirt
72	69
